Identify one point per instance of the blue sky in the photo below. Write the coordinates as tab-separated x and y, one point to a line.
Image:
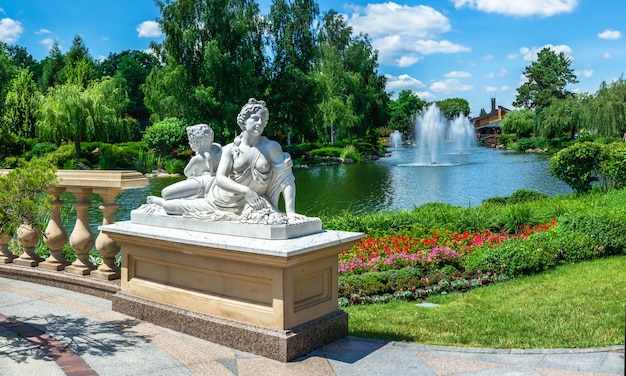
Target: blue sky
473	49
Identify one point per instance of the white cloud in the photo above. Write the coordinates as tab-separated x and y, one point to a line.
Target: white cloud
606	55
585	73
48	42
457	74
489	57
530	54
403	34
42	31
449	85
610	34
512	56
383	19
10	30
403	81
491	89
525	8
149	29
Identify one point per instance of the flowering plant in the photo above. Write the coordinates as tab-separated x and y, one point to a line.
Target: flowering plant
411	251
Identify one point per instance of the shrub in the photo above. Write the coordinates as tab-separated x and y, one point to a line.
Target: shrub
613	165
350	152
165	136
606	226
42	148
514	258
174	166
578	165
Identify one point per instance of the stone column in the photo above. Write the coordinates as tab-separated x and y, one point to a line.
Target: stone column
107	247
55	234
81	239
28	237
6	257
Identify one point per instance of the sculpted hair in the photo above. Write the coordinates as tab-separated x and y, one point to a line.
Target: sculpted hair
197	131
249	108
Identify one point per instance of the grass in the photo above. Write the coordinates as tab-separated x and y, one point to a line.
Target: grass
573	306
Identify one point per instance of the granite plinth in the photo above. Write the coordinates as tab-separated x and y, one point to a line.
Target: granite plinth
280	345
309	226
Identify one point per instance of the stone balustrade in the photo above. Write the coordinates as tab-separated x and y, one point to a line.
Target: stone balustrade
106	183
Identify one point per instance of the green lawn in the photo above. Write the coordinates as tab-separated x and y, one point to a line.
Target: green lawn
573	306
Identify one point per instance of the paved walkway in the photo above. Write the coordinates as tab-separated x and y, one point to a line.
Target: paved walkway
50	331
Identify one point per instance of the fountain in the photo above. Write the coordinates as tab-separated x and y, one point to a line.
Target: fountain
440	140
395	139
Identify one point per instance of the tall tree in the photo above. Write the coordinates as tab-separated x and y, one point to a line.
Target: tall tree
291	94
52	68
132	68
79	65
563	116
403	111
213	56
21	104
353	101
547	79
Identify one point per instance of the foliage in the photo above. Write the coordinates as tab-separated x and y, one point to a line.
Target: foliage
532	143
562	116
613	165
521	122
350	152
605	226
213	62
69	112
578	165
547	79
519	196
23	194
453	107
606	115
165	136
403	111
21	104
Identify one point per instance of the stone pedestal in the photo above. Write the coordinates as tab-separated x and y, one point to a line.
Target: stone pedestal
272	297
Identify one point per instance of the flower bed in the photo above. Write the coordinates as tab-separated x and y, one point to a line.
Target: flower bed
408	267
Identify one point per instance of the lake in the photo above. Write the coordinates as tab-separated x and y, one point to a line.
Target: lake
399	182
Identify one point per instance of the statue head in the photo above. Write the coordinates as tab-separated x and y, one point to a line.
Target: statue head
250	108
199	134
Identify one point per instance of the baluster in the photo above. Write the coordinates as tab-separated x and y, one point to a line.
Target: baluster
55	234
28	237
81	239
6	257
107	247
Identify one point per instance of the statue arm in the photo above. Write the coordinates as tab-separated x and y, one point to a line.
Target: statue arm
223	180
196	164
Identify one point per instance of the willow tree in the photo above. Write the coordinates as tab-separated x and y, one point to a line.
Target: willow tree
607	110
563	116
70	113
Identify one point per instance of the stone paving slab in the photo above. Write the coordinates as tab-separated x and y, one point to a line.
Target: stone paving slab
110	343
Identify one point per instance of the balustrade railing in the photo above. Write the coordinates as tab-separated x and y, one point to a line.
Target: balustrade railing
105	183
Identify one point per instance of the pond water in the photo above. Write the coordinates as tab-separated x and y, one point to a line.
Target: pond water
400	182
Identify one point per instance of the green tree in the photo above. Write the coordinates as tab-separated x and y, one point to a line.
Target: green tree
607	110
79	66
547	79
562	116
403	111
292	88
214	62
21	104
69	112
521	122
132	68
52	69
453	107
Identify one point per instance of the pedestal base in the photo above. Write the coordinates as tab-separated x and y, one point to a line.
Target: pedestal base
26	262
280	345
57	266
107	276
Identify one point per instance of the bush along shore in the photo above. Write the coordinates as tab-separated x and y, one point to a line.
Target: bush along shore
437	248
